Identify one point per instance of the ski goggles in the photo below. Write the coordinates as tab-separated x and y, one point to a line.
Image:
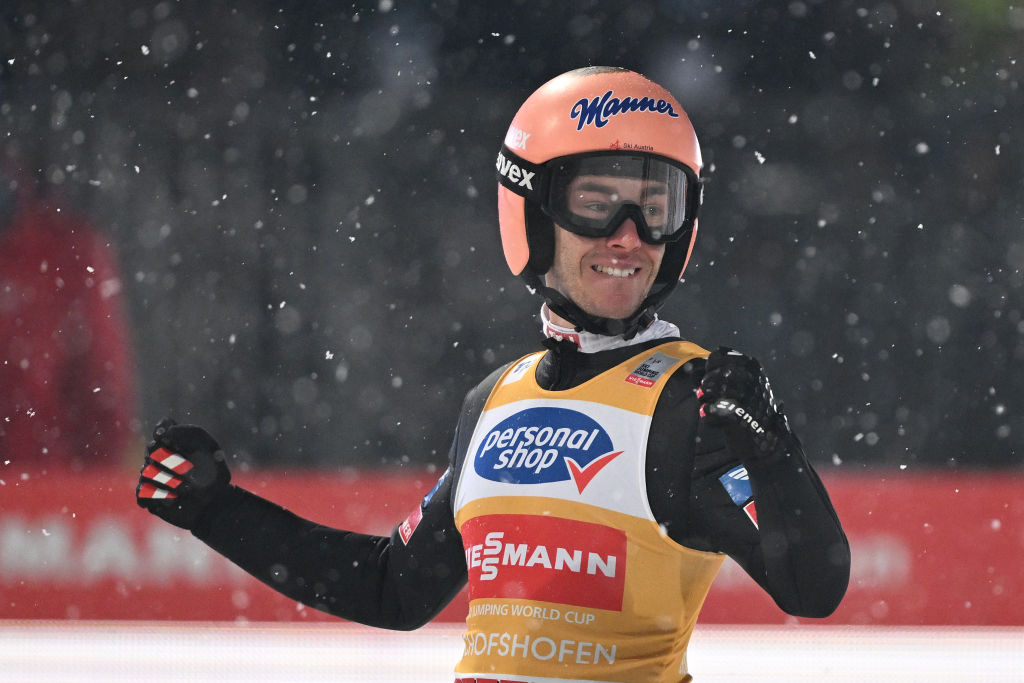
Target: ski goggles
592	194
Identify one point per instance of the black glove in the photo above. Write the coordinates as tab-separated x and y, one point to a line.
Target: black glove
736	394
184	471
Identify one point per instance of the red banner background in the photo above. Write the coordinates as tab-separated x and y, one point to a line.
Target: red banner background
928	549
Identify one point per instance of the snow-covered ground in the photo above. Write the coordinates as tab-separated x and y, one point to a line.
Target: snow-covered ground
154	652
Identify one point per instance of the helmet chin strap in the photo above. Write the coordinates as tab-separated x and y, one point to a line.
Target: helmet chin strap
566	308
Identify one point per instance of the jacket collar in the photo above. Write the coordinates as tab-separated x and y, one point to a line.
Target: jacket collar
588	342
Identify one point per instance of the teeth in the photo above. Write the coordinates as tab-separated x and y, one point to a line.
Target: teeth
616	272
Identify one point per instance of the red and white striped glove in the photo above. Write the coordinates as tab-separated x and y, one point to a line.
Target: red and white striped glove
184	471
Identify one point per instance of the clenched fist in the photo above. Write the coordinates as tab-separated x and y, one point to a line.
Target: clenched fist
184	471
735	393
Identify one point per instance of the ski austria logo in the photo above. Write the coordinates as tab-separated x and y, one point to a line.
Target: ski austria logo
543	445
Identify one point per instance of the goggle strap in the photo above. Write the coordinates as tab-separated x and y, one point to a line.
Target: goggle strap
520	176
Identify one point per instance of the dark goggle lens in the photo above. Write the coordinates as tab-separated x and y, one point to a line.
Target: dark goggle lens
592	195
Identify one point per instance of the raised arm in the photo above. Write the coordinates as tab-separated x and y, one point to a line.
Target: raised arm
388	582
796	550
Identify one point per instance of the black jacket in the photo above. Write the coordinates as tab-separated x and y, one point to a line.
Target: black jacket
797	552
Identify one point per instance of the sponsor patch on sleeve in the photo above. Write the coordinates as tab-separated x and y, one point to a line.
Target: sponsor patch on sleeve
737	484
407	528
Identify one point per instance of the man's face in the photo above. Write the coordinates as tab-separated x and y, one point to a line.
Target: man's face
609	276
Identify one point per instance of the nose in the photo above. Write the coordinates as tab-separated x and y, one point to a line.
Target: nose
626	236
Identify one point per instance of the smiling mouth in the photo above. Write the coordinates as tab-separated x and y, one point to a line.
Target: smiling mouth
615	272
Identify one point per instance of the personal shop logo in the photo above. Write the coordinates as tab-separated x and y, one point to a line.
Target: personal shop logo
544	445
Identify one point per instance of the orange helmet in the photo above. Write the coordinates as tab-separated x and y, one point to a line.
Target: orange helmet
604	118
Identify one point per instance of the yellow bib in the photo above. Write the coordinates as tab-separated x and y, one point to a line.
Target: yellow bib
570	576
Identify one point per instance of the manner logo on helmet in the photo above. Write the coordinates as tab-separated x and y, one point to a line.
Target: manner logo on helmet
597	110
543	445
